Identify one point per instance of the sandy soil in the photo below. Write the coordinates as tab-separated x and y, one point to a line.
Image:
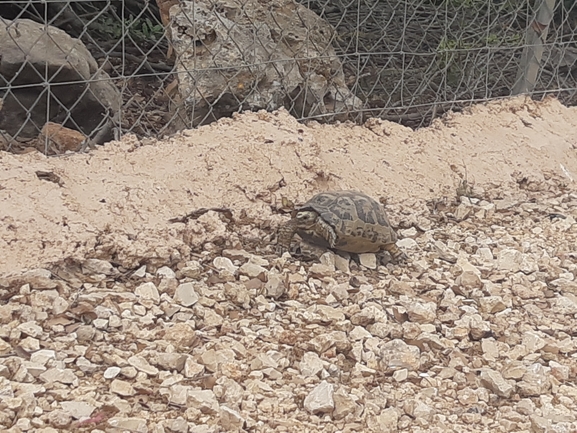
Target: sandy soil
114	203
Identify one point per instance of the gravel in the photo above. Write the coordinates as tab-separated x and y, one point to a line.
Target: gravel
476	334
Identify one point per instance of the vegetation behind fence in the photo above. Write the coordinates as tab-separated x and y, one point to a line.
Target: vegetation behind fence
406	61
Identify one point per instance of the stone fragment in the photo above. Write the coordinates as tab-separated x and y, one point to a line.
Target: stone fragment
132	425
320	399
311	365
342	263
368	260
30	328
492	304
253	270
192	269
65	376
328	313
211	359
122	388
59	419
559	371
239	293
141	364
181	335
77	409
171	361
493	380
230	420
421	312
148	291
178	425
469	280
368	315
224	264
401	375
344	404
204	400
275	286
359	333
396	354
564	305
186	295
386	421
535	381
111	372
165	272
407	243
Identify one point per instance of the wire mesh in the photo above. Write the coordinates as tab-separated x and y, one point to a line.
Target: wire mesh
106	68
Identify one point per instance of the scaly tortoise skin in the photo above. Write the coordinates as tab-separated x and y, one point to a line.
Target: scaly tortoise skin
344	220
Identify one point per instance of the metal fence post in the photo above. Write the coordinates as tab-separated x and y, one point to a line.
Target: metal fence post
533	51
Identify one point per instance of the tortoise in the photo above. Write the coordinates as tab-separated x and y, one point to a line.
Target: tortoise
343	220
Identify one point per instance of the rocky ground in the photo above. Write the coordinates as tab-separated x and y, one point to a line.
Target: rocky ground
124	333
475	334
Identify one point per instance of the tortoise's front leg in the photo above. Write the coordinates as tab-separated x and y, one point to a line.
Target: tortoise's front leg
285	236
325	230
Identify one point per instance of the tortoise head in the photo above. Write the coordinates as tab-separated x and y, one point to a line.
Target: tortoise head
306	219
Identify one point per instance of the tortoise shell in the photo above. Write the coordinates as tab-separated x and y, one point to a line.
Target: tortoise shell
360	223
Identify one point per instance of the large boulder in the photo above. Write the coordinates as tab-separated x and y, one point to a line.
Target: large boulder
251	55
50	76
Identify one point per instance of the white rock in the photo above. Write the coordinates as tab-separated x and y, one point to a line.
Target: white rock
224	264
148	291
407	243
77	409
132	425
178	394
86	366
30	328
230	419
178	425
421	312
386	421
140	272
111	372
186	295
141	364
205	401
275	286
396	354
495	382
66	376
311	365
368	260
122	388
564	305
253	270
165	272
342	263
320	399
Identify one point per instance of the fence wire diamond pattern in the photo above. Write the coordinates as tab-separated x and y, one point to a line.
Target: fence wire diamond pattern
154	67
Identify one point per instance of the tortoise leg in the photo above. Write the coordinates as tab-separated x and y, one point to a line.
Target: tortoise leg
326	232
285	236
396	253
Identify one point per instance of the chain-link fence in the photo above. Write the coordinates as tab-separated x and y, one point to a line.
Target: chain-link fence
103	69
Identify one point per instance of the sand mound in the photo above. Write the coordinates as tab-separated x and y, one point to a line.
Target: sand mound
114	203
